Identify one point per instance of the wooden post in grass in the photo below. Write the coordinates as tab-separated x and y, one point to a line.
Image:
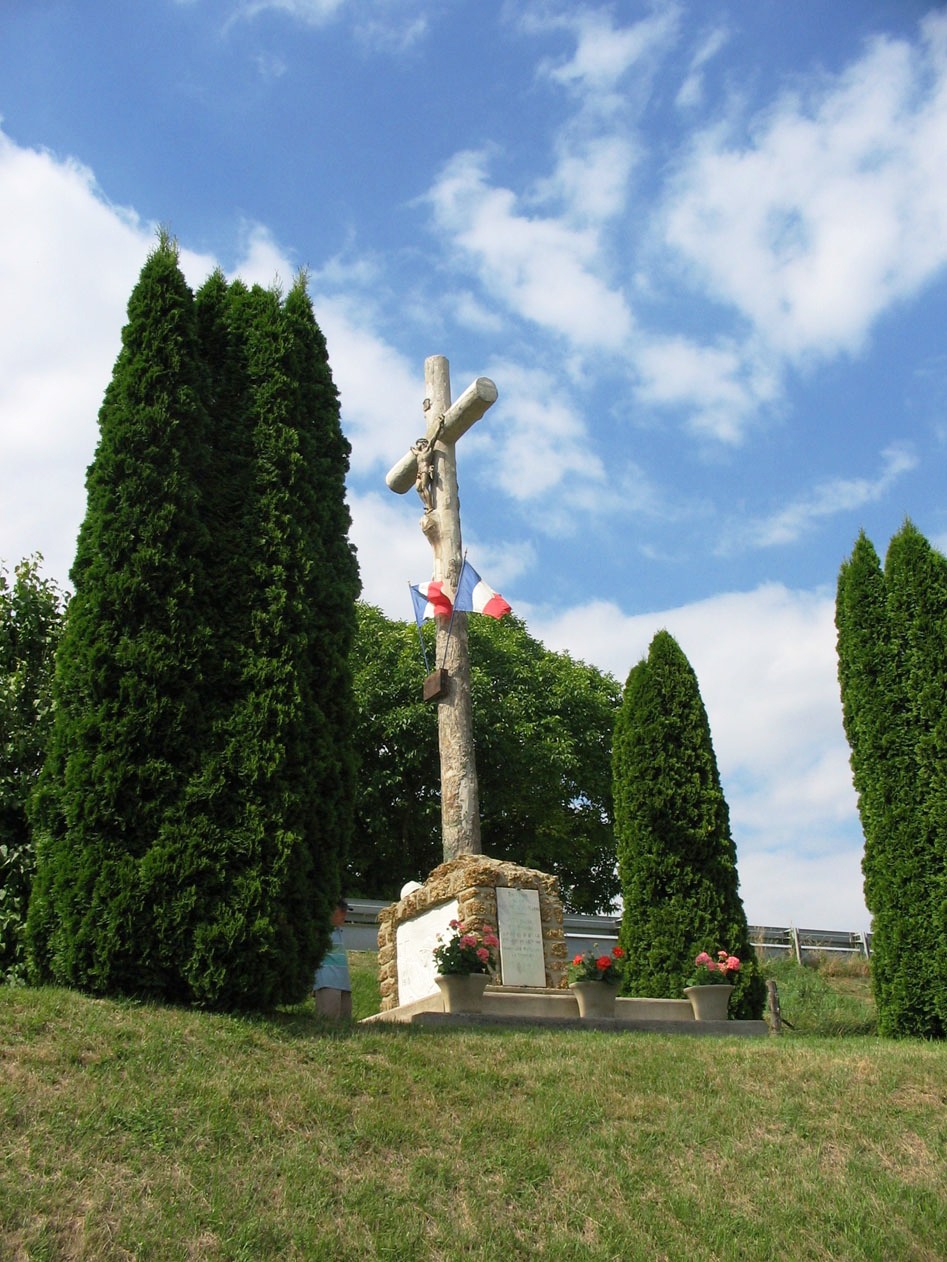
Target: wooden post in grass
430	466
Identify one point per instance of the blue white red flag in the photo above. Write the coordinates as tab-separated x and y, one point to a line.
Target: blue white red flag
474	596
430	600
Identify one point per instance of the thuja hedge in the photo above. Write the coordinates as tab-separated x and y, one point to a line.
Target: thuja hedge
892	657
196	802
677	861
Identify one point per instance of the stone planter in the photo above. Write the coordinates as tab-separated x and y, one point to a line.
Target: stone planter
596	1000
462	992
710	1003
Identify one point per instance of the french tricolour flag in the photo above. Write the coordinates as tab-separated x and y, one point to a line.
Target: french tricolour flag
474	596
430	600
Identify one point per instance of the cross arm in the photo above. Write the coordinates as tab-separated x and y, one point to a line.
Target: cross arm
458	418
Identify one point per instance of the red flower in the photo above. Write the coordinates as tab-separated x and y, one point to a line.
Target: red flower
618	953
603	962
577	961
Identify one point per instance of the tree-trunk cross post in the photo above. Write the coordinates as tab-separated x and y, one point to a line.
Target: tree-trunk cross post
431	467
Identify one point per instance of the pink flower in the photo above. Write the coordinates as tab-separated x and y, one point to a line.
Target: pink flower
469	940
732	964
483	954
455	924
703	959
721	955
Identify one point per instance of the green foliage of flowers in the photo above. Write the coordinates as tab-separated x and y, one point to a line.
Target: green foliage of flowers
594	966
709	971
466	951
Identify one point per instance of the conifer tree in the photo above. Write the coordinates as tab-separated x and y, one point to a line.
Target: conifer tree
230	862
892	646
129	725
677	861
874	727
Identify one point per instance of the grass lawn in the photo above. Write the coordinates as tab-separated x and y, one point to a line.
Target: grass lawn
137	1131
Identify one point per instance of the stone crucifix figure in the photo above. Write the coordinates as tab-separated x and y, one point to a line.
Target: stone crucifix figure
431	468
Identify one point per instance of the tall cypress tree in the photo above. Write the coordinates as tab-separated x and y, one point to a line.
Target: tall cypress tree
877	736
228	865
892	649
129	722
677	861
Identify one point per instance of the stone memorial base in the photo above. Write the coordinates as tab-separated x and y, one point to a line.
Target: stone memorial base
524	907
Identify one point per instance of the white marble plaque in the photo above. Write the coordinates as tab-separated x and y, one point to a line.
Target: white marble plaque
521	937
415	941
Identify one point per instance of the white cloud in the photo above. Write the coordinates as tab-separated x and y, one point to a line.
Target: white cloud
67	265
605	53
309	12
691	92
722	387
542	268
766	666
591	177
541	441
836	495
72	260
383	25
382	395
835	208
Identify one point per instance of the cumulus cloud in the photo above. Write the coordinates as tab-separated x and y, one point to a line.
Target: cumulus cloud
721	387
540	421
67	265
72	260
605	53
382	394
542	268
832	209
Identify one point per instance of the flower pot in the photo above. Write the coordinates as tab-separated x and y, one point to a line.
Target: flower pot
596	1000
709	1003
462	992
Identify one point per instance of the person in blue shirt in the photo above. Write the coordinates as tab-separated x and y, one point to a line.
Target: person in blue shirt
332	986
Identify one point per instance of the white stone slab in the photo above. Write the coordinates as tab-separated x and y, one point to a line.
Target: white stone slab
415	941
520	931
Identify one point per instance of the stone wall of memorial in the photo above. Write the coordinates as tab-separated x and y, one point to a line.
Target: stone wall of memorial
471	882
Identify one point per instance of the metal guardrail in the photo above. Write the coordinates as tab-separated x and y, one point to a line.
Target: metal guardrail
361	934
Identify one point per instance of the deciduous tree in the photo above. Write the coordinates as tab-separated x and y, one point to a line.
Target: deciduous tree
542	727
31	612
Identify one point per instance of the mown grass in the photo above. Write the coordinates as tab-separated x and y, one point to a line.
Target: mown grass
135	1131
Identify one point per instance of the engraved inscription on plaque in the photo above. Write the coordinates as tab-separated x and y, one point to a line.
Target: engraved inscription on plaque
521	937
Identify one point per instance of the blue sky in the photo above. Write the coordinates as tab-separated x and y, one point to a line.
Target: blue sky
700	248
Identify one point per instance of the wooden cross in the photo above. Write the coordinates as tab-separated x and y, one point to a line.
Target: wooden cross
431	468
